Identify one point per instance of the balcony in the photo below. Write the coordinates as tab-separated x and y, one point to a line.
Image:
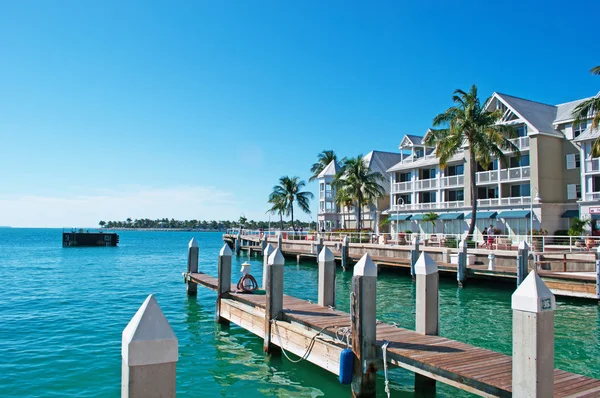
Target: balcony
504	175
327	195
327	211
402	186
592	196
592	165
452	181
519	200
521	142
431	183
428	206
411	159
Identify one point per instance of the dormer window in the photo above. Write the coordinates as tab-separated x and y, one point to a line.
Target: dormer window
418	153
579	128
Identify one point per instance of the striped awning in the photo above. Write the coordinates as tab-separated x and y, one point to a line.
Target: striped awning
570	214
515	214
451	216
483	214
399	217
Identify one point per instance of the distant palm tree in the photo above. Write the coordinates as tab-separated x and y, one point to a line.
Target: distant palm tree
344	199
587	109
288	191
355	180
467	122
129	220
102	224
324	158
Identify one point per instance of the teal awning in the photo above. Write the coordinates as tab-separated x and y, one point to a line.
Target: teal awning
451	216
515	214
417	217
483	214
399	217
570	214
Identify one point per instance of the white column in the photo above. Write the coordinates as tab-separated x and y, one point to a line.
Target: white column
266	253
274	295
224	279
326	295
193	252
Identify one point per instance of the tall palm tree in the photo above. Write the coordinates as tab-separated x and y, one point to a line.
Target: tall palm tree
587	109
344	199
323	160
278	207
357	181
289	190
467	122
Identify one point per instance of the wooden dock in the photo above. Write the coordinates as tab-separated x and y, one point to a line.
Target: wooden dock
309	330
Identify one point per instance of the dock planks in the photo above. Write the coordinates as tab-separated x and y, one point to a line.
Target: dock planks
480	371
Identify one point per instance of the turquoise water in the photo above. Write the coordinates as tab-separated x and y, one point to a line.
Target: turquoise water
62	312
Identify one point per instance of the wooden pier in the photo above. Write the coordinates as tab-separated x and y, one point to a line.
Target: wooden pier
312	332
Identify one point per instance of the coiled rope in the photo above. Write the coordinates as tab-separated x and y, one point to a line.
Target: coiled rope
308	349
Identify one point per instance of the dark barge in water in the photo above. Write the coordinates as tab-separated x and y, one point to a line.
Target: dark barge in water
80	237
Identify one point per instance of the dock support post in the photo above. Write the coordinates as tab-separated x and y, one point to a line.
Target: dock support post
533	306
149	354
345	257
266	253
427	312
238	244
274	298
224	280
280	242
414	256
263	243
326	278
598	274
319	246
192	268
461	271
522	262
364	324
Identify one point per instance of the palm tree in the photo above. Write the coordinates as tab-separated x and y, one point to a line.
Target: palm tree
587	109
343	199
467	122
102	224
289	191
324	158
357	181
432	218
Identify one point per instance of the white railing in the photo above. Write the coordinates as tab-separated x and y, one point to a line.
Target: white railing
427	206
520	200
327	211
592	196
426	184
452	181
411	159
402	186
512	174
327	195
521	142
592	165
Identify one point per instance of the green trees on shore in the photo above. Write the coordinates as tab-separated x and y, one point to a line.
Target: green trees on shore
288	191
208	225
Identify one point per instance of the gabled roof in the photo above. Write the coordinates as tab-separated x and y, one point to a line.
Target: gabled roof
330	170
588	134
538	115
564	111
380	161
426	161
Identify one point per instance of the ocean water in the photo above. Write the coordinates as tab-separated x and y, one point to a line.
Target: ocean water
62	312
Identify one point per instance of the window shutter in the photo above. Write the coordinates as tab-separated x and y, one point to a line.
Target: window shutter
570	161
572	191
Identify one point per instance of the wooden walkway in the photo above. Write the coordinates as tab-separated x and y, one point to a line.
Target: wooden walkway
480	371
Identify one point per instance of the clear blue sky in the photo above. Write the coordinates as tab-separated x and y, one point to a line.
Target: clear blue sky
118	109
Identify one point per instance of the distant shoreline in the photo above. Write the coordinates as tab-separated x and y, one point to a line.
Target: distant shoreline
162	229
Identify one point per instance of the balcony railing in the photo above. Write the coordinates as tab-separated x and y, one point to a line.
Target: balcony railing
327	211
430	183
412	159
519	200
427	206
521	142
592	196
452	181
327	195
592	165
504	175
402	186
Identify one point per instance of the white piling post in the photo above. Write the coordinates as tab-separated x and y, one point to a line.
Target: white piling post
274	296
326	278
280	242
193	252
345	254
414	256
533	307
461	269
491	261
266	253
149	352
224	280
522	261
238	244
364	324
263	243
598	273
319	245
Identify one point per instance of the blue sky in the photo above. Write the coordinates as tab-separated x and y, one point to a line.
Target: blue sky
111	110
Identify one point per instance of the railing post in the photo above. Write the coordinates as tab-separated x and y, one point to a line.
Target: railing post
223	281
414	256
427	311
274	298
326	294
522	261
193	252
533	306
149	351
364	324
461	272
238	244
266	253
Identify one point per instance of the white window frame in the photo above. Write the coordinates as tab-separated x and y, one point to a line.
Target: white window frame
571	191
571	163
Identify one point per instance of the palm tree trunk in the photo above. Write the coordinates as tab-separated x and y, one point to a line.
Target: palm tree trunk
473	172
293	227
280	221
359	220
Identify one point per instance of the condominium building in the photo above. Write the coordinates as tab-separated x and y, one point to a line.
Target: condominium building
539	188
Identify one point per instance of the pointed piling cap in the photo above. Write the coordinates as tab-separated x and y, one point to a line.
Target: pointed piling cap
425	265
148	339
193	243
276	258
462	244
225	251
345	240
326	255
268	250
365	267
533	296
523	245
